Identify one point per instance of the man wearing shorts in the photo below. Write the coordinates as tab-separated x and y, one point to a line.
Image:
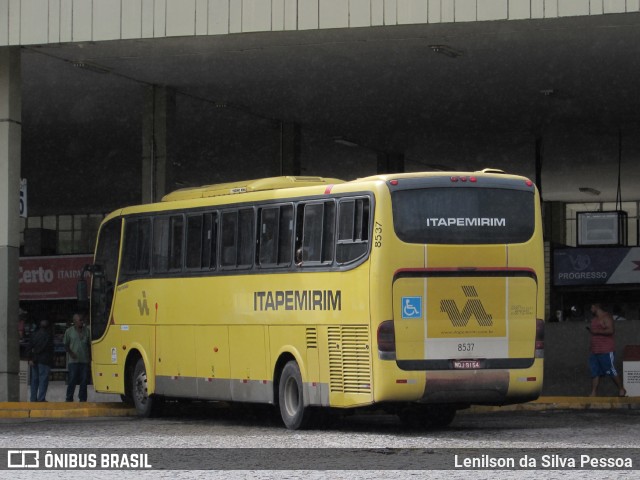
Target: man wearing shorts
601	360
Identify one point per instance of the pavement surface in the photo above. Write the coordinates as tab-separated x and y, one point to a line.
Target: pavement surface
110	405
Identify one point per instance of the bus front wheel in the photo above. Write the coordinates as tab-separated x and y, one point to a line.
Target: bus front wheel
291	398
145	404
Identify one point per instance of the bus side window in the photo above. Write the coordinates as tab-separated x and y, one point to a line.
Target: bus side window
201	241
268	238
353	229
312	233
195	242
228	236
210	240
275	237
168	235
298	234
246	237
160	244
176	242
237	238
318	232
102	287
285	235
137	246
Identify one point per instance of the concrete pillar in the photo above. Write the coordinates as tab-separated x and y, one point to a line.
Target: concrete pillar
539	158
390	162
555	222
289	148
10	135
157	161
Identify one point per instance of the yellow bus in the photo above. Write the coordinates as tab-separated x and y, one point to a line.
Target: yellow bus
421	293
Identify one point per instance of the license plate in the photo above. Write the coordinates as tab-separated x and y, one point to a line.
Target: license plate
466	364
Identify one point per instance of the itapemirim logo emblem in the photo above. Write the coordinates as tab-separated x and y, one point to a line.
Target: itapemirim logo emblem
473	307
143	306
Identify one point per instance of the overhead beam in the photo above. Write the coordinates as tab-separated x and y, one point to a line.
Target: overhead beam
158	117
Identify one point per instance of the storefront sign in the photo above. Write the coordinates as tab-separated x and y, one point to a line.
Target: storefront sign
51	278
596	266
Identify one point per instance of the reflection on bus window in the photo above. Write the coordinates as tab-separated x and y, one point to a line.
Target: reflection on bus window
318	232
237	238
353	229
137	244
103	284
201	241
276	236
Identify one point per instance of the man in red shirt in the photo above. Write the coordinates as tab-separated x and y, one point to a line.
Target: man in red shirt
601	360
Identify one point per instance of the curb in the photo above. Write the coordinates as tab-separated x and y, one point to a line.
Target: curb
64	410
22	410
564	403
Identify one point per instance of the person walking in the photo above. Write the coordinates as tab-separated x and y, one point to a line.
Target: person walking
77	343
40	361
601	359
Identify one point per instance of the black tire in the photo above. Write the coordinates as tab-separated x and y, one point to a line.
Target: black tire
127	400
291	398
146	405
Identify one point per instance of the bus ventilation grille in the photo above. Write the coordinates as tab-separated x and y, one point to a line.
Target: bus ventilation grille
349	359
312	338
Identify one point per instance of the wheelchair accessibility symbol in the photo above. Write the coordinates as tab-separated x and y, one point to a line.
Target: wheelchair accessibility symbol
411	307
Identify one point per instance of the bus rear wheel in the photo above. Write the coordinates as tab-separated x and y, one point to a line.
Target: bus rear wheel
291	398
146	405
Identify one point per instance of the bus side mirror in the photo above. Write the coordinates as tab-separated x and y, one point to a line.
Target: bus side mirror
81	290
81	287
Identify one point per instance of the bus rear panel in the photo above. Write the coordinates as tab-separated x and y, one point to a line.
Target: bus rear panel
467	289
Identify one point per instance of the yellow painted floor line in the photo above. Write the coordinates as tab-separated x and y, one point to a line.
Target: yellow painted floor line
63	410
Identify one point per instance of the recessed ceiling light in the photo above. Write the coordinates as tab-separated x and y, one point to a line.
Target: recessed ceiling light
345	142
90	66
446	50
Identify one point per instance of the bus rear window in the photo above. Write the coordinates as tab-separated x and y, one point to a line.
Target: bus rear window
463	216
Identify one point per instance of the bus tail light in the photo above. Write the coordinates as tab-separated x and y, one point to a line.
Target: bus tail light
539	338
386	341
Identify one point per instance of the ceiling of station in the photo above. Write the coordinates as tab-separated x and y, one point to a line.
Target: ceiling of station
384	88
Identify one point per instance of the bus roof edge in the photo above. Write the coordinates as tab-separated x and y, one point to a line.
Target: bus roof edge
245	186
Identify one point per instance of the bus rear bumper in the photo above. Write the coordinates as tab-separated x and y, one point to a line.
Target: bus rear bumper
484	387
487	386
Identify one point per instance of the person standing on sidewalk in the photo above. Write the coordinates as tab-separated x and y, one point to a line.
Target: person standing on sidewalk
601	359
77	343
40	361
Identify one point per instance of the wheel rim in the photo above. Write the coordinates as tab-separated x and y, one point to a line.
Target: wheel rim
140	388
291	397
